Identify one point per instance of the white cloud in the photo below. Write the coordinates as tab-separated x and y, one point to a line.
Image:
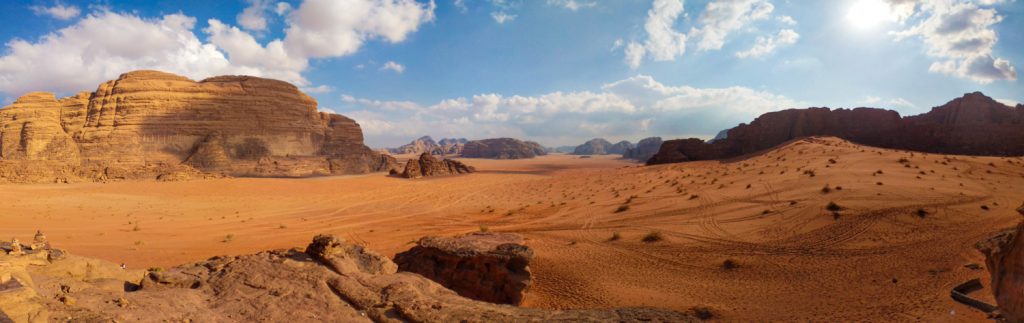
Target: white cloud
572	4
254	17
282	8
502	17
786	20
461	5
392	66
318	89
663	43
961	36
721	18
80	56
878	102
634	107
57	11
767	45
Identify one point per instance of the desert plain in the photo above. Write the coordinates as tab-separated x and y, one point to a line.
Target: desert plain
818	229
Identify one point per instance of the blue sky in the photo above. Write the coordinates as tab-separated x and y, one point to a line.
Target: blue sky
555	71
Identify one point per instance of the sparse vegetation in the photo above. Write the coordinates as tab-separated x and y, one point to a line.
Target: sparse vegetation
730	264
615	236
984	207
484	228
922	213
622	208
228	238
702	313
651	237
832	206
826	189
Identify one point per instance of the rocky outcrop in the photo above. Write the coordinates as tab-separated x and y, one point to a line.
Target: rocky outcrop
330	281
1004	258
491	267
620	148
426	144
971	125
644	150
596	146
147	122
428	166
503	148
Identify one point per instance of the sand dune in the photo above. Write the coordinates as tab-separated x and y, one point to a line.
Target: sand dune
906	229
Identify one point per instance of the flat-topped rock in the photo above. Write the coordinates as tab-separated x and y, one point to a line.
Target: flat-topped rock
502	148
491	267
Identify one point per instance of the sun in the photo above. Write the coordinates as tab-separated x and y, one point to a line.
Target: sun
866	14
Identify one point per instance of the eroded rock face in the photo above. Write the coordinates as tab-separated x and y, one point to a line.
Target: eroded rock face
1004	258
596	146
502	148
146	121
491	267
427	166
971	125
331	281
644	150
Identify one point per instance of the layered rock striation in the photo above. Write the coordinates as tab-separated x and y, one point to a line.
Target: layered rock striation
146	123
426	144
971	125
503	148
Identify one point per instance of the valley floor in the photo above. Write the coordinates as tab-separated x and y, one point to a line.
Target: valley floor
902	239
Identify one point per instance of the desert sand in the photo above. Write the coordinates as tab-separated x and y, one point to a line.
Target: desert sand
902	237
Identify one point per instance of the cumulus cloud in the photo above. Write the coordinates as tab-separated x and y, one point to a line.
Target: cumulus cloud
392	66
721	18
105	43
663	42
961	36
254	17
767	45
631	108
57	11
572	4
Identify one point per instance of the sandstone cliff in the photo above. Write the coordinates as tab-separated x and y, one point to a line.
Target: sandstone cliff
503	148
971	125
147	123
1004	258
426	144
644	150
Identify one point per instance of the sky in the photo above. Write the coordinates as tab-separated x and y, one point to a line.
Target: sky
554	71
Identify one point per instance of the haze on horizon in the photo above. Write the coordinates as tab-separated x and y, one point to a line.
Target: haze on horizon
555	71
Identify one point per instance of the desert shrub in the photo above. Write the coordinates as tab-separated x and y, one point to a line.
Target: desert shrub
826	189
484	228
904	160
922	213
832	206
729	264
653	236
615	236
228	238
702	313
984	207
622	208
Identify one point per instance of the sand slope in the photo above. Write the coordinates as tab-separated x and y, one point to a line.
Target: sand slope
796	260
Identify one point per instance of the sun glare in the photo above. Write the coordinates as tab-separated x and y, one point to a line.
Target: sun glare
866	14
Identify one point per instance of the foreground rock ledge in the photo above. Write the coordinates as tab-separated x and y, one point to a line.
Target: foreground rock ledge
1004	257
491	267
331	281
428	166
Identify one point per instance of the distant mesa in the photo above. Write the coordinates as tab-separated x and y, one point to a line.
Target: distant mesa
503	148
600	146
644	150
974	124
149	124
426	144
428	166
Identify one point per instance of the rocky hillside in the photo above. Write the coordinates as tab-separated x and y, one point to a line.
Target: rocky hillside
330	281
599	146
503	148
974	124
426	144
644	150
149	124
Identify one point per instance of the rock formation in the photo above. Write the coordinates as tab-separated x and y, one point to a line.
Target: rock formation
596	146
428	166
146	123
490	267
1004	258
331	281
971	125
425	144
644	150
502	148
620	148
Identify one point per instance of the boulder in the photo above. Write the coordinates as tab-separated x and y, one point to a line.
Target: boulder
490	267
502	148
147	122
428	166
426	144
